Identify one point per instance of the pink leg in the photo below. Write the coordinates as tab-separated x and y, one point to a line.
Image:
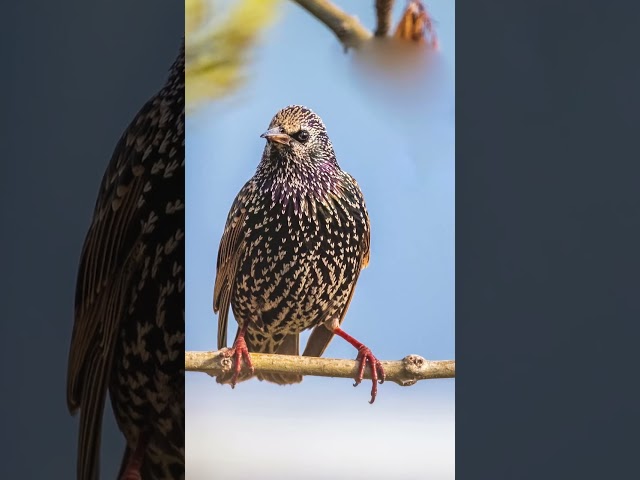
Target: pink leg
134	463
240	352
364	356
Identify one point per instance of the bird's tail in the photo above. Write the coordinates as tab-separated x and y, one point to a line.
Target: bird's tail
289	346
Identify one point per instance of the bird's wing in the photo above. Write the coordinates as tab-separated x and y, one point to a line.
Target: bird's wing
321	336
102	280
228	255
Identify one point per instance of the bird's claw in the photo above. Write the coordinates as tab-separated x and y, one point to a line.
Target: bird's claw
377	372
240	354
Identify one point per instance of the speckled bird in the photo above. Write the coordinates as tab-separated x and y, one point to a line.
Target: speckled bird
295	241
128	335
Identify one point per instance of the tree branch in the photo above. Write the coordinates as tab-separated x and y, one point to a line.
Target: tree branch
404	372
346	27
383	13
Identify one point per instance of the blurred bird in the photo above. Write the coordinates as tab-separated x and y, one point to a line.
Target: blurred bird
293	246
128	335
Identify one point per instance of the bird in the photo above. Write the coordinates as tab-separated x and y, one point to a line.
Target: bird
295	240
128	333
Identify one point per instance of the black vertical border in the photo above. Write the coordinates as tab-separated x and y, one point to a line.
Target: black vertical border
547	221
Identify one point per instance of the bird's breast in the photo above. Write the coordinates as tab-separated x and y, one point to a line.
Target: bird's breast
294	264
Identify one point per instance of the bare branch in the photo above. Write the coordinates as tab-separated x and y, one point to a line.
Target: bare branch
404	372
346	27
383	13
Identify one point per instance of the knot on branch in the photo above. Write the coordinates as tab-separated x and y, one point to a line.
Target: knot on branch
412	370
225	360
413	362
413	366
218	363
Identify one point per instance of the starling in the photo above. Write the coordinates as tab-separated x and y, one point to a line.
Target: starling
128	334
293	246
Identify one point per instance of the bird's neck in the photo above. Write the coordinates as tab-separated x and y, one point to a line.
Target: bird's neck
288	180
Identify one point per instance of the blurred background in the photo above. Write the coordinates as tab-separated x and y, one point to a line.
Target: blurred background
393	131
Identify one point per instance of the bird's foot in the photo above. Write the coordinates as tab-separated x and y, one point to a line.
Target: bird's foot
238	353
134	462
377	372
364	356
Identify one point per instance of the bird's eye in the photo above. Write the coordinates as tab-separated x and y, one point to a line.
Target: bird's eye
302	136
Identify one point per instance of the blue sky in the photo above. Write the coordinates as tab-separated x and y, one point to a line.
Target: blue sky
398	142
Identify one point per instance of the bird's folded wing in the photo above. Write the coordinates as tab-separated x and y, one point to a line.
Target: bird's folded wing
229	252
113	239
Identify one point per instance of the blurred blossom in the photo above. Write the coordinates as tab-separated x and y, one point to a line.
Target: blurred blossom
409	82
413	85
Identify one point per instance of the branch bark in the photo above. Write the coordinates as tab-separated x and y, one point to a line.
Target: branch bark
346	27
405	372
383	14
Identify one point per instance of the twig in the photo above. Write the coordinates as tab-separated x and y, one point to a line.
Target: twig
383	13
346	27
404	372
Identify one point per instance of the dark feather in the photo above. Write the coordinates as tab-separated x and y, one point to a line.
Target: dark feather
131	280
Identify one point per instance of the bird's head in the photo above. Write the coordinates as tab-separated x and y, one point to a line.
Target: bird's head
297	132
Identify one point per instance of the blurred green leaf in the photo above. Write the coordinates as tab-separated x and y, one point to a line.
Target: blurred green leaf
219	45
